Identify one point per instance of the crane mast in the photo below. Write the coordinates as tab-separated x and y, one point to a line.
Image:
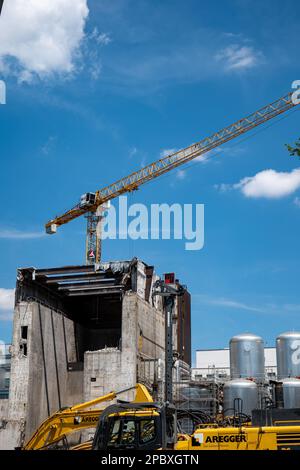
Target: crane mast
92	203
93	235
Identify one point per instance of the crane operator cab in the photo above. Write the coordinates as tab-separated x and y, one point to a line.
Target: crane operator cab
142	426
87	200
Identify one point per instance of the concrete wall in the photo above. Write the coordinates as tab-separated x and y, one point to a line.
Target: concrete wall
36	390
11	434
63	388
117	369
114	369
3	408
151	327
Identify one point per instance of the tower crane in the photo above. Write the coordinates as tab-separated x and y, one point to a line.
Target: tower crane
93	204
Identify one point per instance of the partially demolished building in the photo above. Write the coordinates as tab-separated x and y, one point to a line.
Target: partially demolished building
82	331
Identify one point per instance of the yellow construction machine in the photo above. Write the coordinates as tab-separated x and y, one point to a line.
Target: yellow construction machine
54	431
146	425
153	427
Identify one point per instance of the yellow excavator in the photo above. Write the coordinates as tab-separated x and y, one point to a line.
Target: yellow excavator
55	430
153	427
146	425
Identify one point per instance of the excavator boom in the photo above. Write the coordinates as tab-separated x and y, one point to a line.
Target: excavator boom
76	418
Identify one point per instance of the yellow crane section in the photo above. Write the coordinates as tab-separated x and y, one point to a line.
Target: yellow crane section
90	202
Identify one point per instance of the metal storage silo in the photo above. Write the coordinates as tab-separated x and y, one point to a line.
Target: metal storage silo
288	354
291	393
245	390
247	358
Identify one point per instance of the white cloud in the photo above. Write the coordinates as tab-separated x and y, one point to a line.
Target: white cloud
201	158
269	184
265	308
95	68
205	157
297	201
12	234
233	304
166	152
41	37
101	38
7	299
132	152
104	39
49	145
239	57
181	174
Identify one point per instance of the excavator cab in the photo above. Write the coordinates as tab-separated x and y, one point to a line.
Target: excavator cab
138	426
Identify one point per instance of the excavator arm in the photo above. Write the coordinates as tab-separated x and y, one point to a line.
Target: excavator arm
60	425
76	418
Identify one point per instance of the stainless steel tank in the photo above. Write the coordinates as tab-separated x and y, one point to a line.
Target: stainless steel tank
243	389
247	357
291	393
288	354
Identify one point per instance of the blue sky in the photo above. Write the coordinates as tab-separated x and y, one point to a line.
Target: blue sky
97	90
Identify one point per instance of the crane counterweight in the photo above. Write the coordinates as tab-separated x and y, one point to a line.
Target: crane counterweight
51	229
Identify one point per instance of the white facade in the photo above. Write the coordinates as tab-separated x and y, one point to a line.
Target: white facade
4	369
216	363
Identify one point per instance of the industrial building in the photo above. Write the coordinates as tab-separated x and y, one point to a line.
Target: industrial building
215	363
252	374
5	364
5	359
80	332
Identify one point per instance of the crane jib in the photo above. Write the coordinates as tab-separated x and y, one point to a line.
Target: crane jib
159	167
